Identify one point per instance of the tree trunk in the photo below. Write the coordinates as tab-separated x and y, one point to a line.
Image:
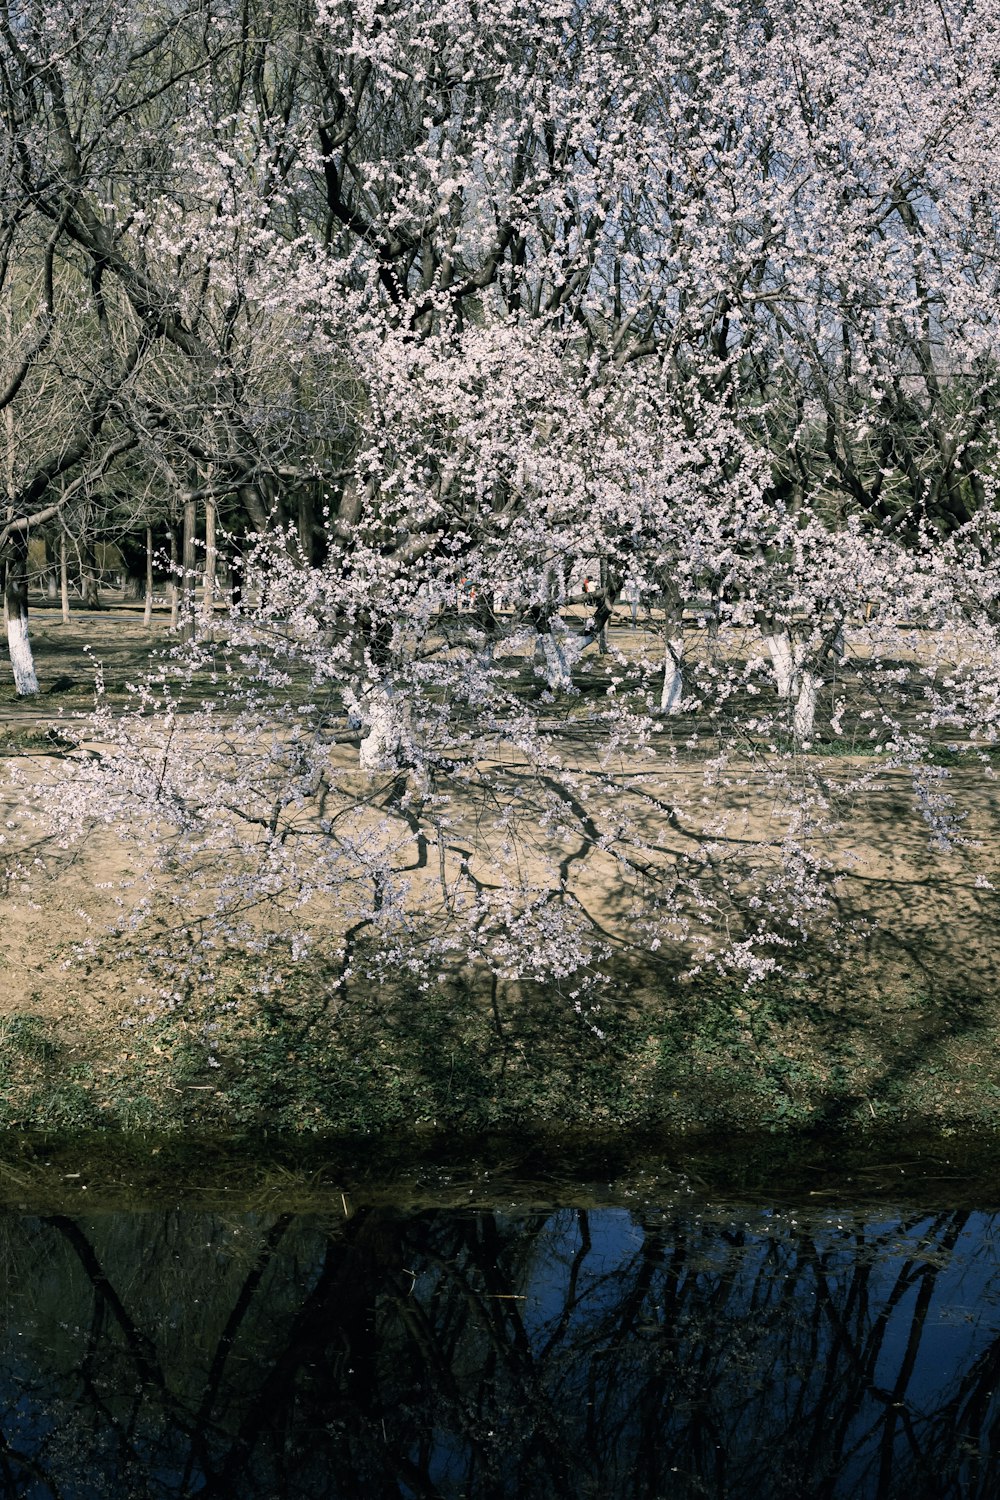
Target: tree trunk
234	563
306	527
16	602
188	568
51	575
672	692
211	559
562	651
779	648
804	716
174	586
602	634
90	586
383	718
557	650
64	576
253	504
147	613
673	678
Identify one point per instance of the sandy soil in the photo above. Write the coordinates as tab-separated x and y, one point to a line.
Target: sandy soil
932	924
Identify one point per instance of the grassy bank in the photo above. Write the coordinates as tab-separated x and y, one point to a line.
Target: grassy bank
873	1052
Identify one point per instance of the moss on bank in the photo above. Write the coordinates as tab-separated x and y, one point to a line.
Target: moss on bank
656	1057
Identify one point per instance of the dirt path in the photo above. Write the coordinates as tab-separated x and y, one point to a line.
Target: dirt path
932	917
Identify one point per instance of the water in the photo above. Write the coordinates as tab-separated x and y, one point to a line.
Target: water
676	1347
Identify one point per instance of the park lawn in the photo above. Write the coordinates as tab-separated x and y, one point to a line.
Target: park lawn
899	1027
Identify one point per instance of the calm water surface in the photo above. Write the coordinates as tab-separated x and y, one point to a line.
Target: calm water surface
679	1349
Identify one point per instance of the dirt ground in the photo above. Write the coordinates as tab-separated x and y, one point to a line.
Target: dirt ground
907	1017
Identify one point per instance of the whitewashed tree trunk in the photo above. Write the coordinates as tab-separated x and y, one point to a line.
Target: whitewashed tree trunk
557	672
673	678
794	682
779	648
16	601
557	651
21	659
383	716
804	715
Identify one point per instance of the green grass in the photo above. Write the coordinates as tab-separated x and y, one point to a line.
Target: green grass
666	1057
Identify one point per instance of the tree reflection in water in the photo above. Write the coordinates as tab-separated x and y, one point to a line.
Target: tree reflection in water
600	1352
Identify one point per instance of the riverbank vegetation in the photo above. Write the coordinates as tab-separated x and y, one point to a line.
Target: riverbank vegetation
848	1053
